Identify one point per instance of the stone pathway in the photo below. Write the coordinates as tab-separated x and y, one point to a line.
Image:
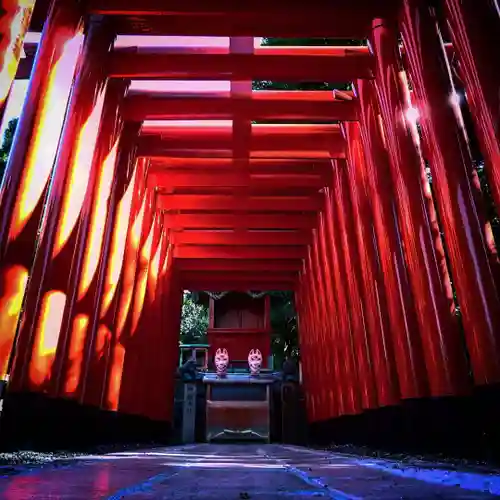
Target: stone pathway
240	472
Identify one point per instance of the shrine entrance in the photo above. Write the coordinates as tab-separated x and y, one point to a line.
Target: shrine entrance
229	388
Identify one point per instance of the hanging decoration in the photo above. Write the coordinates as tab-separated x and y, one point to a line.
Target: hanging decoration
219	295
256	295
216	295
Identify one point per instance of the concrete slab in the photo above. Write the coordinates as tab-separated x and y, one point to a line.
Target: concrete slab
242	472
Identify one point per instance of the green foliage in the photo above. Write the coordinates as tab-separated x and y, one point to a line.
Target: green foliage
294	42
194	321
285	340
7	145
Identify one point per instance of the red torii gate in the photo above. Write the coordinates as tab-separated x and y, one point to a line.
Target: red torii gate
106	216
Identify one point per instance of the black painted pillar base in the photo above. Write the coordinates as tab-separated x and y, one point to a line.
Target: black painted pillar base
37	422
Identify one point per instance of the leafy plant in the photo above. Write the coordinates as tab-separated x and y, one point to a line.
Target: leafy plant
7	145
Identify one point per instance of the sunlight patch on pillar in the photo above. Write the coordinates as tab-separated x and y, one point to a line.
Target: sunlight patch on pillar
98	221
142	278
117	253
43	147
77	183
18	27
75	356
47	336
16	278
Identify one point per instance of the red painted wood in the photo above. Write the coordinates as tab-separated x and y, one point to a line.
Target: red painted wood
231	238
319	141
225	252
473	277
145	106
474	28
266	221
352	403
282	181
439	328
186	202
345	66
86	270
48	289
401	307
344	217
332	351
236	266
257	166
18	236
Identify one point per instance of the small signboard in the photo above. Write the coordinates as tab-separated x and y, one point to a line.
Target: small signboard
189	413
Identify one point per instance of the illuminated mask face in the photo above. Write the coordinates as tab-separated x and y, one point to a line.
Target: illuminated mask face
255	361
221	361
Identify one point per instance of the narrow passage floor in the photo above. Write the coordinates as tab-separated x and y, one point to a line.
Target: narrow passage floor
239	472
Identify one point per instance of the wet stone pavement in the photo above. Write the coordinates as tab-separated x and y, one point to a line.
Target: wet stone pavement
240	472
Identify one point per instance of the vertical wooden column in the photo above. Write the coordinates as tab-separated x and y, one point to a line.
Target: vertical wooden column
314	336
326	380
344	217
478	295
26	179
352	403
47	294
475	33
404	326
126	226
333	352
132	336
172	309
138	248
14	23
373	291
85	268
153	337
439	329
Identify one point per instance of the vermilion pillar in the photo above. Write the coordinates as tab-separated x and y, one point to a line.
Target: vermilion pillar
325	316
331	350
345	220
439	329
404	327
475	33
352	403
471	272
86	268
131	335
151	332
313	339
117	293
373	291
91	366
14	23
29	168
47	295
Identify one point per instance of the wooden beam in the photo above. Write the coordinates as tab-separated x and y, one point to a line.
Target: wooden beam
316	9
143	106
153	64
230	265
321	141
241	276
282	181
234	238
230	221
238	286
186	202
255	165
223	18
243	252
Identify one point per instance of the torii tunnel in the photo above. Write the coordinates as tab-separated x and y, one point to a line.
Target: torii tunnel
141	168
